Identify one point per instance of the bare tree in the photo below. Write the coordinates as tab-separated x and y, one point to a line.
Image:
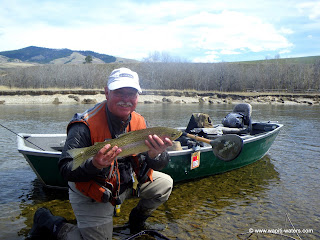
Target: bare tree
273	74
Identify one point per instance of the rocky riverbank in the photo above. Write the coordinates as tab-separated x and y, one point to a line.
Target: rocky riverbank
154	97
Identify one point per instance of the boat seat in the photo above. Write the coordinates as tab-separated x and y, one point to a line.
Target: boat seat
199	120
239	121
217	130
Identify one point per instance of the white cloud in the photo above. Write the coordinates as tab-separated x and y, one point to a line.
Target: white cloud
199	30
284	51
230	52
114	39
234	31
286	31
312	9
210	56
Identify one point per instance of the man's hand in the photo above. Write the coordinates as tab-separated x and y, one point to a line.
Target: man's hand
105	157
157	145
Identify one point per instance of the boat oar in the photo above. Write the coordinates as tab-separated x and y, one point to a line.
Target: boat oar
226	147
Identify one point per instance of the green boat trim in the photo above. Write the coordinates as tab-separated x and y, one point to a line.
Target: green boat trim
255	145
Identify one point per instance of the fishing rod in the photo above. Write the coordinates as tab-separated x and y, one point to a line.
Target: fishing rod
152	233
22	137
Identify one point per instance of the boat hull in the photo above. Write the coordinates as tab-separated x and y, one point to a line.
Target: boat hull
46	168
179	167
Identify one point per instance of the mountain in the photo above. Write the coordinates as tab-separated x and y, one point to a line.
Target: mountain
75	58
41	55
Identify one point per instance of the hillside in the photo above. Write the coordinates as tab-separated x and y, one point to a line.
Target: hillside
297	60
41	55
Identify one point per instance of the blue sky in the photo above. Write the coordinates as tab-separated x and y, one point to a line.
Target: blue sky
197	31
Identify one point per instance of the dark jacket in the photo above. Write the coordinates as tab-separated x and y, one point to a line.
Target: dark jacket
79	136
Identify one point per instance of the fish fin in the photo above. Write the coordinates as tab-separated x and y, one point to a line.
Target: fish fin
105	141
77	155
125	134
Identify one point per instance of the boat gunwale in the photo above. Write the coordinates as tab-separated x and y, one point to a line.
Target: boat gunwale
22	148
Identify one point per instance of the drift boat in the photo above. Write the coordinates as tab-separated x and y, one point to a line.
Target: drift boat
189	160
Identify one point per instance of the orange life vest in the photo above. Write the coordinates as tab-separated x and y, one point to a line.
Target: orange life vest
97	121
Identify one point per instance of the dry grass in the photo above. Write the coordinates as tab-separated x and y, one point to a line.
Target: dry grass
245	94
5	65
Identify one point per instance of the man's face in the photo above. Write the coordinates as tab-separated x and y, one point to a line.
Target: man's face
121	102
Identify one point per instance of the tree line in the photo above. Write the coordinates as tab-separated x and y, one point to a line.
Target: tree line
268	75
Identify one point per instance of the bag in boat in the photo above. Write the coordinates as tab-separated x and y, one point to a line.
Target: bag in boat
199	120
233	120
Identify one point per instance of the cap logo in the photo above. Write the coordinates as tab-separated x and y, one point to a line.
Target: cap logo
125	75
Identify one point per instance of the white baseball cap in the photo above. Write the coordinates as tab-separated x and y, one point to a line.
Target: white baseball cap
123	77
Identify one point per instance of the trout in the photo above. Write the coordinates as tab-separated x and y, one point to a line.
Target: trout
131	143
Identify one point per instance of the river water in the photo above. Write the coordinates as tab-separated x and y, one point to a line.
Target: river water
279	193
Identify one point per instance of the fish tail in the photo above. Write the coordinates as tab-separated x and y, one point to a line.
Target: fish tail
78	157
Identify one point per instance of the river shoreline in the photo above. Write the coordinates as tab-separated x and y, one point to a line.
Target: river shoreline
82	96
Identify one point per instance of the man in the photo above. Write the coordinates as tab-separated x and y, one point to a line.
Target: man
105	177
